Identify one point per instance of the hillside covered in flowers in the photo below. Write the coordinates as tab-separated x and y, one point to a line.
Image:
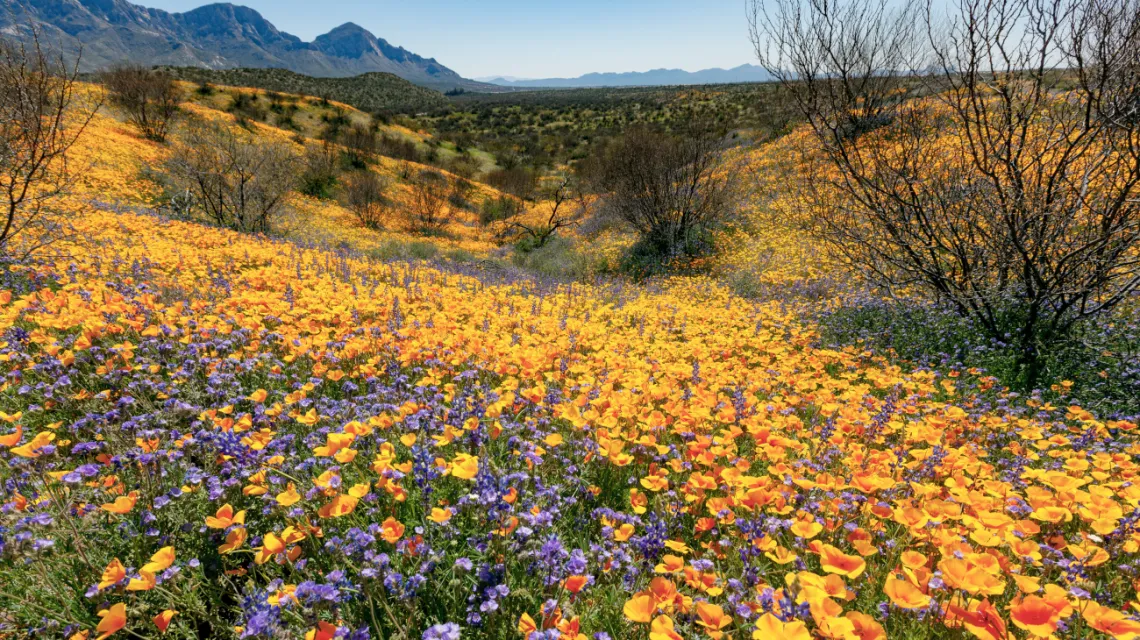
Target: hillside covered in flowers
210	434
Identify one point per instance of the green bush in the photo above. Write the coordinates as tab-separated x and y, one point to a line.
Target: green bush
558	259
1101	359
498	209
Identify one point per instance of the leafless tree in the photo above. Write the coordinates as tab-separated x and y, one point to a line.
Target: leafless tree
360	144
150	97
320	170
42	115
428	209
1012	190
670	188
237	180
564	210
366	195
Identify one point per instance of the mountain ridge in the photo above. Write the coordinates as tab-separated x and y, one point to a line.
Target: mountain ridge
215	36
653	77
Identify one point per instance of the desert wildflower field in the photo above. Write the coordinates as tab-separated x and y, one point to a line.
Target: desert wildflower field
335	426
213	434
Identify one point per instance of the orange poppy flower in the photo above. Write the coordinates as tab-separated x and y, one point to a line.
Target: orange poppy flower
123	504
832	560
662	629
162	620
527	625
640	608
903	594
113	619
713	618
1110	621
160	561
341	506
392	530
1035	615
112	574
574	584
769	627
234	540
225	517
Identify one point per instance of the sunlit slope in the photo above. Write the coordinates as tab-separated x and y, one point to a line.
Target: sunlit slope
163	376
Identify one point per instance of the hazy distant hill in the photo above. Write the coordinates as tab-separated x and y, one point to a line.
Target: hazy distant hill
215	36
657	77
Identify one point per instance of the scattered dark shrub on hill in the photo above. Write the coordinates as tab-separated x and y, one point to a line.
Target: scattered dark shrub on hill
518	181
428	211
498	209
360	145
41	116
149	97
674	190
319	171
398	148
366	195
237	180
371	92
246	107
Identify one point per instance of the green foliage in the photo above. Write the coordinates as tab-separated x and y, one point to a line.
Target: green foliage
1101	359
370	92
498	209
404	250
558	259
540	129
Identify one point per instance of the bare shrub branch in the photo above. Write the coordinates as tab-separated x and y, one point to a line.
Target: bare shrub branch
42	115
1010	191
670	189
366	195
237	181
428	210
149	97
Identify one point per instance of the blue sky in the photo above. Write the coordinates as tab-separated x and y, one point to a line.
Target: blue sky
535	38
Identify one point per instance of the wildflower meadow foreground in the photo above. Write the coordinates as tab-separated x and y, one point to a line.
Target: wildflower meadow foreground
210	434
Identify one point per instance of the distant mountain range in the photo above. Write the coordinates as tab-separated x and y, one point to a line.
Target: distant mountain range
215	36
657	77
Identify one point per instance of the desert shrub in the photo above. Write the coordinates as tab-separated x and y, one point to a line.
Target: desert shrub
559	259
319	171
498	208
41	117
428	210
366	195
674	190
360	145
459	197
149	97
237	180
564	207
518	181
465	166
1100	358
246	106
398	148
1011	193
